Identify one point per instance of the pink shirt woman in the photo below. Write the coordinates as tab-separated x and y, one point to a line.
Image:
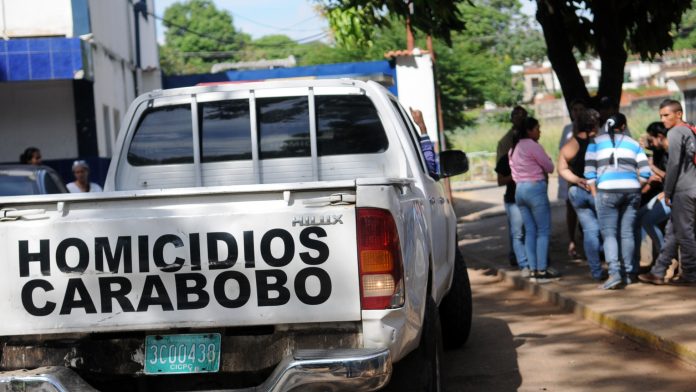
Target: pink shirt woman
529	161
530	165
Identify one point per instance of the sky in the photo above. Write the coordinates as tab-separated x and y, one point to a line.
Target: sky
294	18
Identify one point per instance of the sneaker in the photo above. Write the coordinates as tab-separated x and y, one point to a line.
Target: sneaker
525	272
631	279
601	277
533	276
614	282
553	273
544	277
650	278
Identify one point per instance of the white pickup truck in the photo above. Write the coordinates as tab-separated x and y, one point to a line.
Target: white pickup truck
263	236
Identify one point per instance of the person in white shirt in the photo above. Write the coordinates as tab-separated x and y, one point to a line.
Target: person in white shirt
80	169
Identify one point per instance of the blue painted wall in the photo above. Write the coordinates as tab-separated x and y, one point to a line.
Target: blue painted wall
323	71
23	59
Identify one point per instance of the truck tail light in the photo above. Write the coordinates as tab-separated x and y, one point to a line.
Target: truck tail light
379	257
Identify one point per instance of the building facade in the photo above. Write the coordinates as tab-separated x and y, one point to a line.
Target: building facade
68	71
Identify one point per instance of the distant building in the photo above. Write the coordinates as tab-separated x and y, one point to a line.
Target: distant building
540	81
68	72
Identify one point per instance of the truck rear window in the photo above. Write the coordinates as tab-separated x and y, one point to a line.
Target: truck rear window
164	136
346	124
283	127
225	131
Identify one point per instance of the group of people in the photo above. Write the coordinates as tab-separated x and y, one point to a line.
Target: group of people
614	191
80	169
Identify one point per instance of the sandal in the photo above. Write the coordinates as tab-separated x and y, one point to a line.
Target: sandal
572	253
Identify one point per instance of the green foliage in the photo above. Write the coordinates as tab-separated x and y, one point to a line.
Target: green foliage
195	26
351	26
686	33
438	18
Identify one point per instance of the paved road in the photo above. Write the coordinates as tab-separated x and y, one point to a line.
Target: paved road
520	343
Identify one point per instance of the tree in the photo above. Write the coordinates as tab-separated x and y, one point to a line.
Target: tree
610	29
198	35
353	20
686	35
473	66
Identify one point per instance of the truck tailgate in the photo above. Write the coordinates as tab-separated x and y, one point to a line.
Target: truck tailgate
219	259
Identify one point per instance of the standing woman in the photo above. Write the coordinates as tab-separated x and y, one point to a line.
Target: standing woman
530	166
30	156
571	167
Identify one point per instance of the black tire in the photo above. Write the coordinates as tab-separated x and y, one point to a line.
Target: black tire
455	308
419	371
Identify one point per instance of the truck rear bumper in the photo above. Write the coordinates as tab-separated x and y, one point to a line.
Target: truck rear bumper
343	369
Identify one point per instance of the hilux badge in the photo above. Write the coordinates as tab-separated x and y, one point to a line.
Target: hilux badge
313	220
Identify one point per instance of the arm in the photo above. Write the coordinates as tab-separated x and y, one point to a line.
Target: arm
567	153
675	157
644	172
502	169
504	180
591	167
418	119
541	158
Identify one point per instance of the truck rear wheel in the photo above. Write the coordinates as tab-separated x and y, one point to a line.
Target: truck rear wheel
455	309
419	371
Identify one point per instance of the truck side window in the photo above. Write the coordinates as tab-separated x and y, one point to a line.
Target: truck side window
283	127
225	131
348	124
164	136
412	133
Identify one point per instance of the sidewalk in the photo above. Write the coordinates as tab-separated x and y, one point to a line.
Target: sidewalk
662	317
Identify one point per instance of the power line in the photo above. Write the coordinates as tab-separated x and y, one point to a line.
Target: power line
226	42
290	28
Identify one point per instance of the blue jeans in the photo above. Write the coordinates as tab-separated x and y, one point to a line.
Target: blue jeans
616	212
516	226
533	201
649	218
584	205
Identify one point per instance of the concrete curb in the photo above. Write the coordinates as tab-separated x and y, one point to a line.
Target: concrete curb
612	323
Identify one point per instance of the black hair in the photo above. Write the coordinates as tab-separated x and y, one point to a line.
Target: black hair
616	121
523	132
673	104
586	121
28	153
656	128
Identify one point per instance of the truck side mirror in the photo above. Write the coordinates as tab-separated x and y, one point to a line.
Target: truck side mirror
453	162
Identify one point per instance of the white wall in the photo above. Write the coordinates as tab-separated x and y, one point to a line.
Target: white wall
416	88
39	114
27	18
113	53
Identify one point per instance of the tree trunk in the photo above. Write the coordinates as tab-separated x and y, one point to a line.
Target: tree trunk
610	33
560	51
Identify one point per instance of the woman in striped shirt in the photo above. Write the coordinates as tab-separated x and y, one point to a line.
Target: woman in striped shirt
615	168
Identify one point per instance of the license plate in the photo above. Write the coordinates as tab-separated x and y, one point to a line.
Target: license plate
176	354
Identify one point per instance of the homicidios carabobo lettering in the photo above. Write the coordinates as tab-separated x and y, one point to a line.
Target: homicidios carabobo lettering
192	290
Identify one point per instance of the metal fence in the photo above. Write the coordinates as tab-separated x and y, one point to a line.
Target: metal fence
481	167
